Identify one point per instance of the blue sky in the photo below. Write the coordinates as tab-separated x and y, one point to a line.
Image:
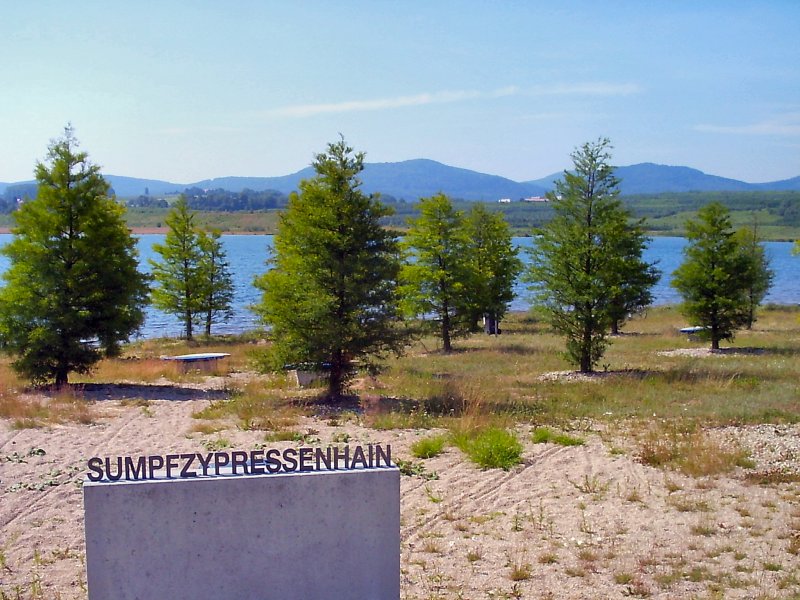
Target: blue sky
188	90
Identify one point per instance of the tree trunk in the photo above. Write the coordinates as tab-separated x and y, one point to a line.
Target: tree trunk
614	327
446	345
62	377
473	322
714	334
188	318
751	314
208	324
586	350
336	376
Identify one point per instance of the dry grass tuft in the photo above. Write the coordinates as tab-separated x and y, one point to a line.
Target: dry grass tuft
773	476
690	450
29	411
36	409
146	370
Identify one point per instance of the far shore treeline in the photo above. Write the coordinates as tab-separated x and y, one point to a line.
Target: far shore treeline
776	212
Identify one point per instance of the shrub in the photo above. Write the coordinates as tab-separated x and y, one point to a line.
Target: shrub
428	447
492	448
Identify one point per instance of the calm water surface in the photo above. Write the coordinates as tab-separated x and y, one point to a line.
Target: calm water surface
247	255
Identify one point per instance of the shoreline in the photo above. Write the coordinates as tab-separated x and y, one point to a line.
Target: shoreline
163	231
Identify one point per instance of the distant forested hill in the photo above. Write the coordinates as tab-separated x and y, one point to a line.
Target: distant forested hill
649	178
408	180
411	179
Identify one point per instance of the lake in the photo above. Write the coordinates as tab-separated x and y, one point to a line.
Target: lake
247	255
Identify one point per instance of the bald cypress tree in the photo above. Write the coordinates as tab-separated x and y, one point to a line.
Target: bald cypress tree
716	275
331	295
178	274
73	292
761	273
217	280
439	277
586	263
495	267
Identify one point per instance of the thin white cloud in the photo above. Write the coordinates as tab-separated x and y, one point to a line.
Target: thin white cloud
443	97
178	131
451	96
785	125
596	88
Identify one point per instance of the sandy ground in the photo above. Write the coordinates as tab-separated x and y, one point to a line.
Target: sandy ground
570	522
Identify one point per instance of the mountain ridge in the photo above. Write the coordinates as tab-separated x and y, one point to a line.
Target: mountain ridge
421	177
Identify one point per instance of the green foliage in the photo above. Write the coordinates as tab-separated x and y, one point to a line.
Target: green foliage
761	275
178	275
716	275
73	292
412	469
543	435
439	273
491	448
629	277
495	266
587	270
428	447
216	280
331	296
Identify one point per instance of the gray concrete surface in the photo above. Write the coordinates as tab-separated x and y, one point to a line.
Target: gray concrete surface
322	535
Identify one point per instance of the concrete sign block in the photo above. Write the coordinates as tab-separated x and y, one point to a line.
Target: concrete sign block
318	535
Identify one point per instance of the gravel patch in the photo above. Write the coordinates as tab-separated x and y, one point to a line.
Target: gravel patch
772	447
703	352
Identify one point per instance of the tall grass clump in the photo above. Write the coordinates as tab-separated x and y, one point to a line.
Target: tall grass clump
491	448
428	447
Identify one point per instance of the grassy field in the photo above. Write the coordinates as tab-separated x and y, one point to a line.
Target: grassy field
502	376
770	226
502	380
